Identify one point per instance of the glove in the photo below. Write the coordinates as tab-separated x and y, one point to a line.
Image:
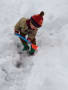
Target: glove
29	39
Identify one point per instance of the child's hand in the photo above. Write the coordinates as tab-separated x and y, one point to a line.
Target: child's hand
29	39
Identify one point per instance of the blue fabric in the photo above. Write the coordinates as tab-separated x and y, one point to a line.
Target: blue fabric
23	38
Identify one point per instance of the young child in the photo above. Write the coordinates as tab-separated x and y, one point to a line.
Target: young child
29	27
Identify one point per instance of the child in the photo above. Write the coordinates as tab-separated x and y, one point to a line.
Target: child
29	27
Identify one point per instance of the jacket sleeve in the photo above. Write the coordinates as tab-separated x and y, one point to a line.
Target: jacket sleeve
21	24
17	26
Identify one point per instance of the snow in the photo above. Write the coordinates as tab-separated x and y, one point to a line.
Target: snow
48	69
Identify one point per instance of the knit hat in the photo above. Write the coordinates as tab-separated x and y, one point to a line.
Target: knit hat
37	20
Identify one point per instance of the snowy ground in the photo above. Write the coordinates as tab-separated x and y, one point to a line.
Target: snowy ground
48	69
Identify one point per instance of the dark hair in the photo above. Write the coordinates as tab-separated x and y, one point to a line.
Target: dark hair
42	13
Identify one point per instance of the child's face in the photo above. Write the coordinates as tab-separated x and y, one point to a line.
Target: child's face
32	26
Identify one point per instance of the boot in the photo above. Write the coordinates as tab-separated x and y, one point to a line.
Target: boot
26	47
32	51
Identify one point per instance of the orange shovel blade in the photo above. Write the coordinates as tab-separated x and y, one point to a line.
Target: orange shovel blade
34	46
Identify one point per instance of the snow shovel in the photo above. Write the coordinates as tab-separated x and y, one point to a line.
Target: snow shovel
33	45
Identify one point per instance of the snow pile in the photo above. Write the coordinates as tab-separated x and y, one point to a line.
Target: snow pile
48	69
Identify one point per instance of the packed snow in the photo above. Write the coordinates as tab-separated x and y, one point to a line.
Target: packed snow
48	68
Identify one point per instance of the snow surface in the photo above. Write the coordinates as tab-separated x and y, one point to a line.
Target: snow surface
48	69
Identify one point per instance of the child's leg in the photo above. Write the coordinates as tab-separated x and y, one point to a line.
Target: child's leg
26	47
32	51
